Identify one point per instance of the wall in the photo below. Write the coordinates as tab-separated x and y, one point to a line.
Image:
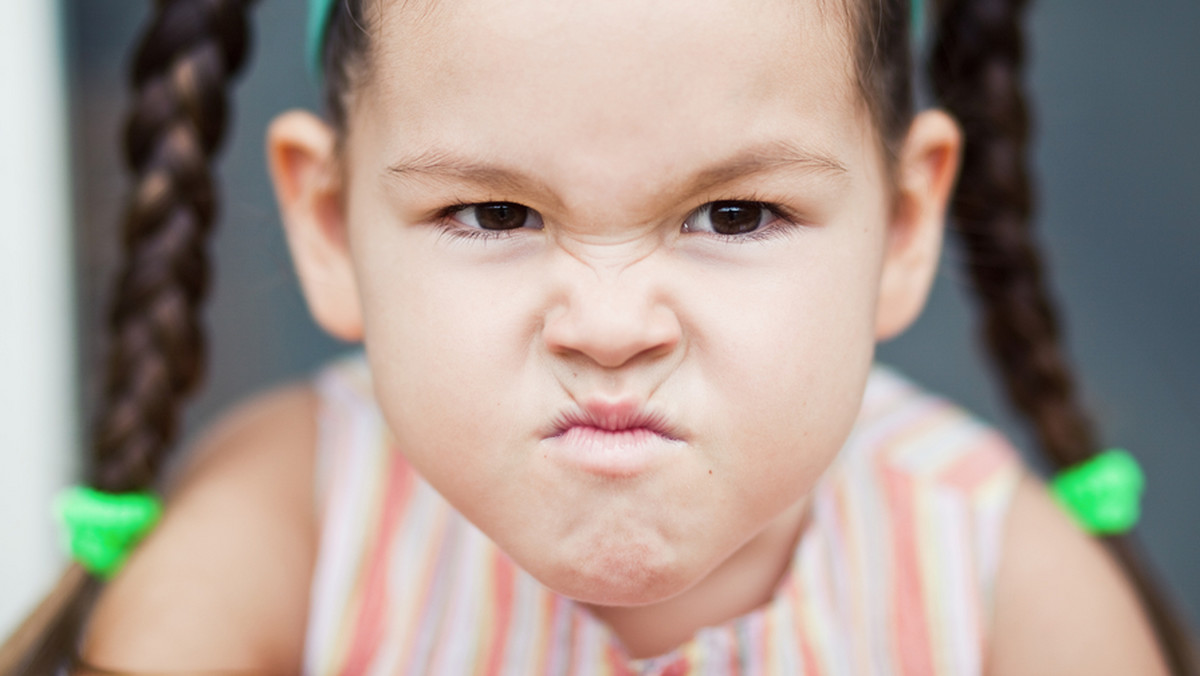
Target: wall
37	353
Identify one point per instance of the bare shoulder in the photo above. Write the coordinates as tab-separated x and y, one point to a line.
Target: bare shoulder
1062	605
222	582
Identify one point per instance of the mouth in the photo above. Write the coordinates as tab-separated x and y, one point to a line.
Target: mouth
614	418
612	439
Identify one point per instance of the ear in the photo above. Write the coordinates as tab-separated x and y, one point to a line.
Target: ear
301	153
925	173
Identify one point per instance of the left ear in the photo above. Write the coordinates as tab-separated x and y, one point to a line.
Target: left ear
925	173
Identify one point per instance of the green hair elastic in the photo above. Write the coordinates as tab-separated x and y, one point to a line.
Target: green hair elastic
101	529
1102	494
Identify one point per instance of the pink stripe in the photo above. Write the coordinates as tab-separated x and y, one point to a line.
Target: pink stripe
734	668
971	470
369	627
502	576
806	653
615	659
909	613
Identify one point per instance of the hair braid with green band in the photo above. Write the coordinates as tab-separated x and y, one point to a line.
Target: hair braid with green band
1102	494
101	529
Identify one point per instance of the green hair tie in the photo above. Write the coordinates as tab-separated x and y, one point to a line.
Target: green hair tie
101	528
1104	493
319	12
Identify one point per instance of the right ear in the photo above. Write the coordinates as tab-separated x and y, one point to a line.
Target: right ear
302	157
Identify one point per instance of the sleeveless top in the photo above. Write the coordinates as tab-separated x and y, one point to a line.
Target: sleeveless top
893	574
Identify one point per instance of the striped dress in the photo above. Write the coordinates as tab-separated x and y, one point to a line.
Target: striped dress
893	575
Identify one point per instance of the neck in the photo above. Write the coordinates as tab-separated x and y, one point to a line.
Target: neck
742	583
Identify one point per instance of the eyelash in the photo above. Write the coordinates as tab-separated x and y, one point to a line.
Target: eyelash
444	220
783	222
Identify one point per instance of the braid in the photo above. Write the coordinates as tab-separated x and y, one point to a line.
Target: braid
180	70
186	57
976	69
976	66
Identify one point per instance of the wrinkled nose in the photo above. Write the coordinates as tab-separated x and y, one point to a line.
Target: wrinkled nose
612	320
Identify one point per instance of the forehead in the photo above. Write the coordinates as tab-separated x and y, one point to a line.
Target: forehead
612	83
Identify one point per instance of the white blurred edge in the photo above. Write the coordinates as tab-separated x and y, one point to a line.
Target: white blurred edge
38	402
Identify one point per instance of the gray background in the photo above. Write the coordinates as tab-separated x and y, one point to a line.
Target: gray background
1117	98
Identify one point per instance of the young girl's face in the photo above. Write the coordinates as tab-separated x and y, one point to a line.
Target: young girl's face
620	268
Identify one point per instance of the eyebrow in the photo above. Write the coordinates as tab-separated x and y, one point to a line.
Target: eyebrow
767	157
442	164
755	159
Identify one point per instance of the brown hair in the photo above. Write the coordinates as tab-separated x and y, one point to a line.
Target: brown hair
191	50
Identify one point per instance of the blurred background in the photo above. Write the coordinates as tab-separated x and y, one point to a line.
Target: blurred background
1117	100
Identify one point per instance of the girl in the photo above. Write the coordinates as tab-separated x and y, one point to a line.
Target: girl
619	269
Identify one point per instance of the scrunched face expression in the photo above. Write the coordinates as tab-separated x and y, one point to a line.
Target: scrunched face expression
619	269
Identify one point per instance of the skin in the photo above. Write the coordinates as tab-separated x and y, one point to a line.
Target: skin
615	122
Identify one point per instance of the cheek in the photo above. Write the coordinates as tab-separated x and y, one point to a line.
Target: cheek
448	343
786	350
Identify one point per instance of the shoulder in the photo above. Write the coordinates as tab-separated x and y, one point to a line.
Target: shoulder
222	582
1062	604
913	435
1058	603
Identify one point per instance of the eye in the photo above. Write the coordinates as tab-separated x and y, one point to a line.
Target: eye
496	216
730	217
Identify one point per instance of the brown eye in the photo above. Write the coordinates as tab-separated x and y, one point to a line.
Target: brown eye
735	218
729	217
498	216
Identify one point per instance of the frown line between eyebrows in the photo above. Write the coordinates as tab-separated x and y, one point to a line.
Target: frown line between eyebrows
774	156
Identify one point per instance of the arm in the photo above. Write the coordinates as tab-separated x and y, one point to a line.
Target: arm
1062	605
222	582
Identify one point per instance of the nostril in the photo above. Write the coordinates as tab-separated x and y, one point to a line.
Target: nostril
612	333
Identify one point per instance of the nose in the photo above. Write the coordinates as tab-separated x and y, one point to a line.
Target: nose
612	320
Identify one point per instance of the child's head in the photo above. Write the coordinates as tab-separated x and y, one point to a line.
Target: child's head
685	223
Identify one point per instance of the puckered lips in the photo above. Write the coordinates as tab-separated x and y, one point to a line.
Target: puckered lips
611	438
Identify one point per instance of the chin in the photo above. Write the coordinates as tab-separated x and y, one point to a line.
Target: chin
633	576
